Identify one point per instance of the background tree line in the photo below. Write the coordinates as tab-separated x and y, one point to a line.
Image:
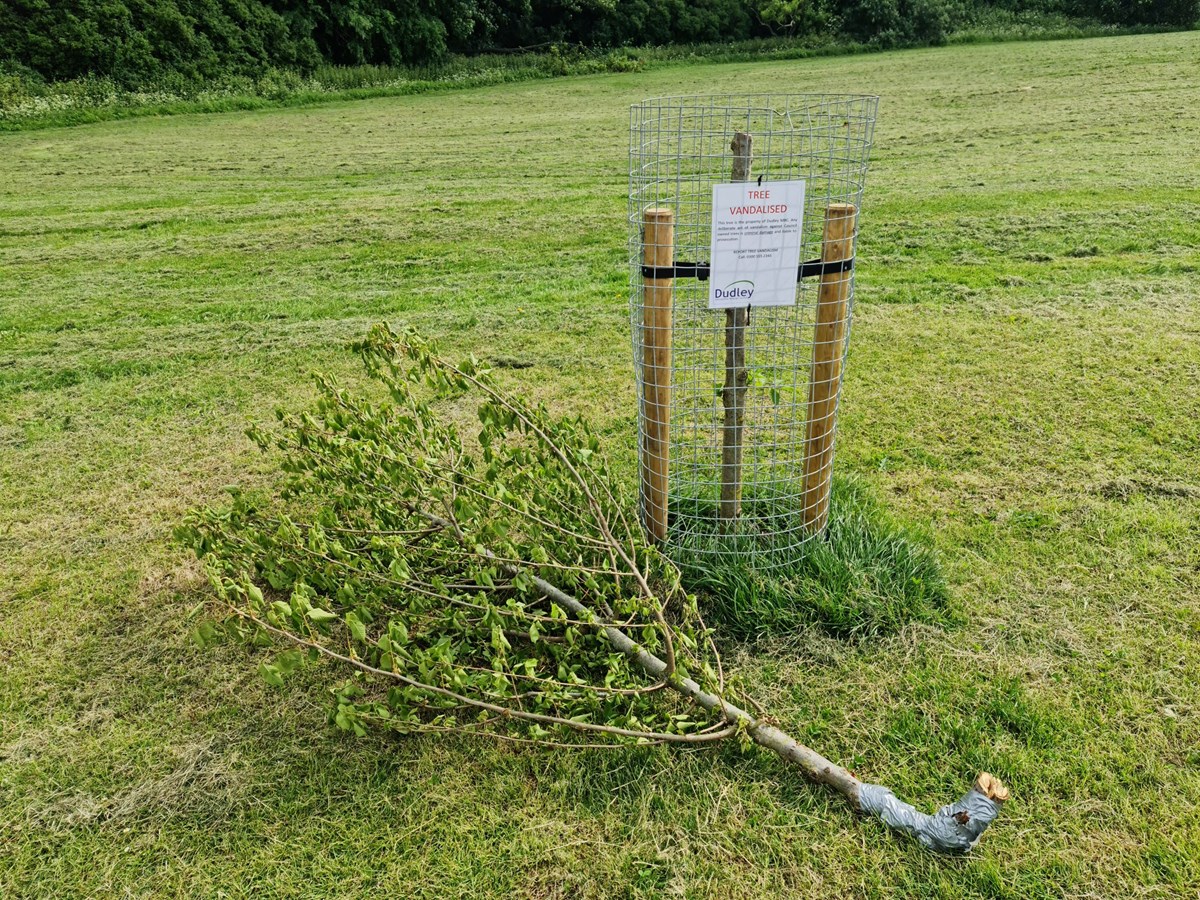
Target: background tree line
138	41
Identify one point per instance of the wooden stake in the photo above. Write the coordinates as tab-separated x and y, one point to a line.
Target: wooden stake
733	396
829	341
658	243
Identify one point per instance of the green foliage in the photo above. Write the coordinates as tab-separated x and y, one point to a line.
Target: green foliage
868	576
168	44
392	32
790	17
1180	13
890	23
403	548
133	41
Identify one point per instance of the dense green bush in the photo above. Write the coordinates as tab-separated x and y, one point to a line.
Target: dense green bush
1184	13
394	32
890	23
133	41
171	43
627	22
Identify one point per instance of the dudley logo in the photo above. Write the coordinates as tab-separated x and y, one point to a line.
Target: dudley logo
735	290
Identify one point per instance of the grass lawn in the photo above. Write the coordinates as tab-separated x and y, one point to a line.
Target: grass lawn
1024	382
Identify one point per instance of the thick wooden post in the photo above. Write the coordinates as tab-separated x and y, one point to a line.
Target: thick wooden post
658	249
829	340
733	396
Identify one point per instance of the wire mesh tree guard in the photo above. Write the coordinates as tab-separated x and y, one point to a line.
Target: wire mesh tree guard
738	404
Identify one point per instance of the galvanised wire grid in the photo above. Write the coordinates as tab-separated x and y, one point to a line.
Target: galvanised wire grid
679	148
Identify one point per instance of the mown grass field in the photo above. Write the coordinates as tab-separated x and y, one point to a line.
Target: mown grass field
1024	382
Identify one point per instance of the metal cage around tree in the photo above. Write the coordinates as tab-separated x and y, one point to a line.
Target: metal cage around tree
738	407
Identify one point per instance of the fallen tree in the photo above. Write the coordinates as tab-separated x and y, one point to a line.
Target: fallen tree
490	584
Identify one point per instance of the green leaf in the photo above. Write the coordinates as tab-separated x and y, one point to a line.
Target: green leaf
499	641
270	674
289	661
205	634
321	615
357	629
399	634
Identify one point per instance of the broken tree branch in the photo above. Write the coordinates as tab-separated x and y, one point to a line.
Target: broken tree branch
425	598
955	828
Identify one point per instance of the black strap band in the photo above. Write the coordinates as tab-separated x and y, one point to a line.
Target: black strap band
700	271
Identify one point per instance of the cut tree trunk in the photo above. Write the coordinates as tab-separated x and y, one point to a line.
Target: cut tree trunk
955	828
733	396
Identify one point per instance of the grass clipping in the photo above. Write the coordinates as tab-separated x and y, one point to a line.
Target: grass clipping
489	585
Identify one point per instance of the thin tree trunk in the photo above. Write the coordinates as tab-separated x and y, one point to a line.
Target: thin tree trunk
955	828
733	396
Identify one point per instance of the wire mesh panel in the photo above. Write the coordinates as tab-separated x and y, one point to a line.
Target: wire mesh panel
738	407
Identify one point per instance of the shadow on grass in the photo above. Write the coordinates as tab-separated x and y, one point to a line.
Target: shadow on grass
867	576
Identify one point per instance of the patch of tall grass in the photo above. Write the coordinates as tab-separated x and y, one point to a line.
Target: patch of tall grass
868	575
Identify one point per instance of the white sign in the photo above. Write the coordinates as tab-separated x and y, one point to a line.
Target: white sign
755	244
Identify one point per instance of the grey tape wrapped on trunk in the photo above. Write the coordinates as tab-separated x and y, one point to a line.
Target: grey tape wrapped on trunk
955	828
